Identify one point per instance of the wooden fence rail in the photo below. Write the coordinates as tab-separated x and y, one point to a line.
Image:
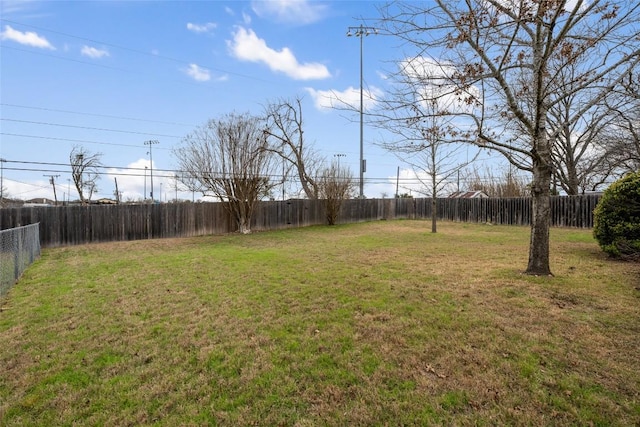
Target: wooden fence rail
70	225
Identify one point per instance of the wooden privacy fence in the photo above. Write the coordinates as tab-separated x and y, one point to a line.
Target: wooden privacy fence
566	211
70	225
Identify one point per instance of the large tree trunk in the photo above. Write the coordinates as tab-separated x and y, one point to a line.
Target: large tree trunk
434	187
541	217
244	222
310	190
541	161
243	226
434	214
571	185
241	213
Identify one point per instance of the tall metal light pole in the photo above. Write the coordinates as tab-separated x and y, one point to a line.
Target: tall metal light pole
360	32
150	144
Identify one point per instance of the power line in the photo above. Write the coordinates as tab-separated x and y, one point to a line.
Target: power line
37	187
93	64
89	128
111	170
171	173
128	168
74	140
97	115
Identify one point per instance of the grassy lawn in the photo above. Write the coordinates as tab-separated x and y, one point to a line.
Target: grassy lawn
369	324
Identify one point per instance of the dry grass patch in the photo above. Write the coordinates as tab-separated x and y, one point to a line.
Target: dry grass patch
368	324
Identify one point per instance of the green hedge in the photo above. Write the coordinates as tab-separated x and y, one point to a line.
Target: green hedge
617	218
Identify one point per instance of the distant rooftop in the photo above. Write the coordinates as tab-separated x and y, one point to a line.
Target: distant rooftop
468	195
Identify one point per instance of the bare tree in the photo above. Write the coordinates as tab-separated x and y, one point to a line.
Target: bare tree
502	185
425	135
228	158
499	57
575	130
425	139
621	138
85	168
284	125
335	185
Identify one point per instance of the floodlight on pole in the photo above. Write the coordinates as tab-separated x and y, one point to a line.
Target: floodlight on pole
361	32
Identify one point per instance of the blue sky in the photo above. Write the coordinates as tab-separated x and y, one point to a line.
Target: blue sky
110	75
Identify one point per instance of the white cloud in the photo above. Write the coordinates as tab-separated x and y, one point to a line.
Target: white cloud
247	46
10	7
202	28
432	79
381	75
346	99
198	73
418	183
290	11
93	52
421	68
518	5
28	38
31	190
134	181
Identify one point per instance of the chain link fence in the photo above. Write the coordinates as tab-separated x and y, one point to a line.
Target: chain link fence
19	247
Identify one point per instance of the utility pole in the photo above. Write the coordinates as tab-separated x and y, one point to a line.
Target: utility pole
52	181
175	177
150	143
117	193
2	180
145	183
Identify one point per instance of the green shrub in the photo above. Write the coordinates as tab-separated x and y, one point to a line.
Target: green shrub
617	218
